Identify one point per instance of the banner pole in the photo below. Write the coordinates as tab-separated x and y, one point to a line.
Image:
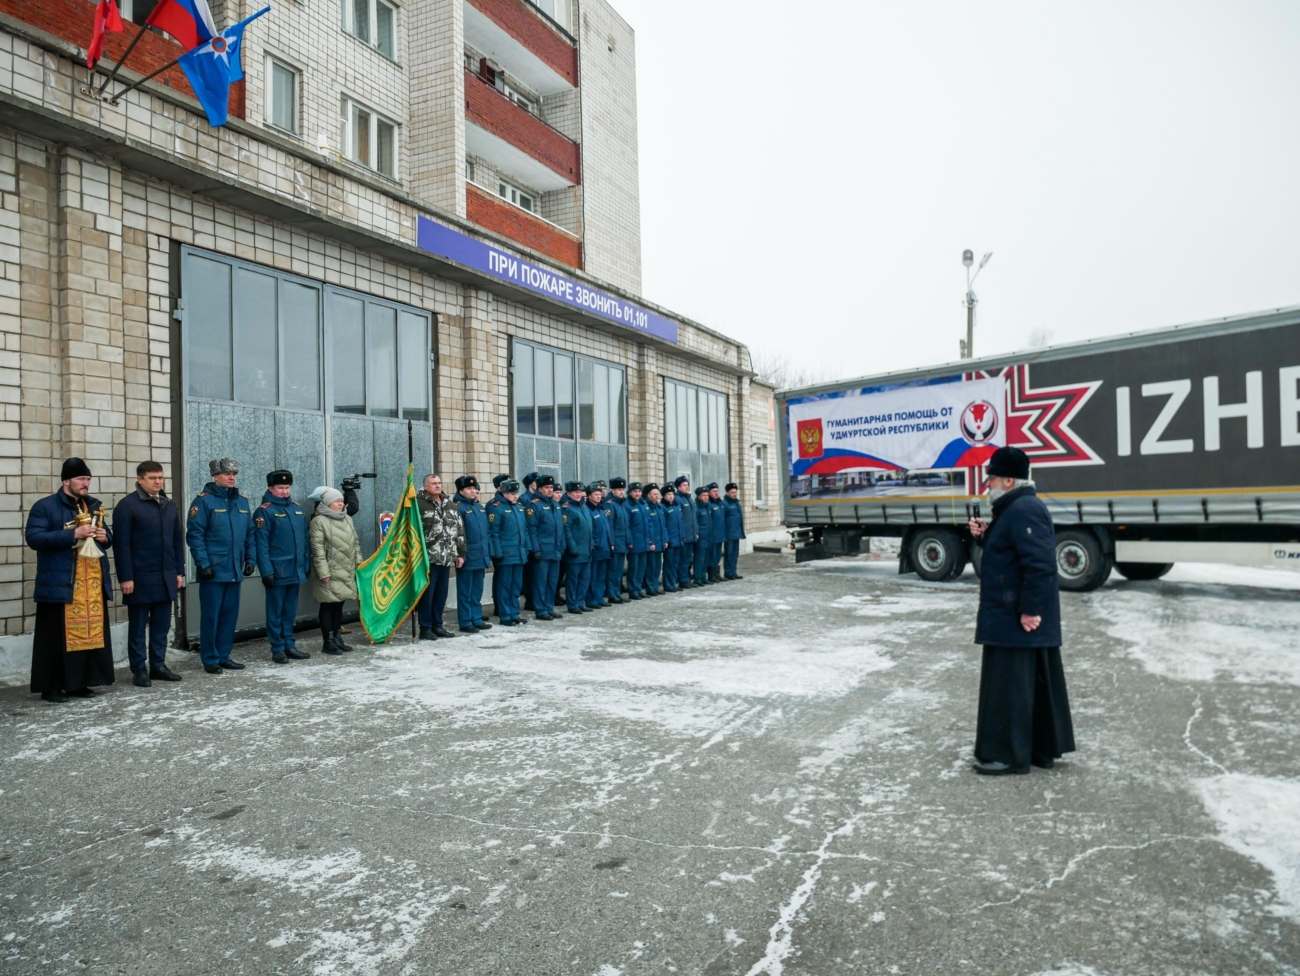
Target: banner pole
125	91
410	464
122	60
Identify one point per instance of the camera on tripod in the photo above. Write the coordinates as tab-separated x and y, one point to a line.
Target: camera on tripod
354	483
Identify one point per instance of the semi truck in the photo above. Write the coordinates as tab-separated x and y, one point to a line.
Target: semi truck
1175	444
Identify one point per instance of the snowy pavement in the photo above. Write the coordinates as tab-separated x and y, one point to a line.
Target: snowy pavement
765	777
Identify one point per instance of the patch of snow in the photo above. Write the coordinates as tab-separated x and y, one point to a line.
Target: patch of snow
1259	817
1070	969
1278	578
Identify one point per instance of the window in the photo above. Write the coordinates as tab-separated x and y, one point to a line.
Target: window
760	473
694	419
372	22
569	397
281	96
526	102
381	358
469	169
369	139
136	11
520	198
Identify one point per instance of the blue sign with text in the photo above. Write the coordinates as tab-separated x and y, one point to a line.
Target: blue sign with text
445	242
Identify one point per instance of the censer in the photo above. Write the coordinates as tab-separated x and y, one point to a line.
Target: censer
89	547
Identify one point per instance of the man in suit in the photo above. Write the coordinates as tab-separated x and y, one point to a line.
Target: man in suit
150	558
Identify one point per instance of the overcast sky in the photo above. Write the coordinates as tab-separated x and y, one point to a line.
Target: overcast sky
810	172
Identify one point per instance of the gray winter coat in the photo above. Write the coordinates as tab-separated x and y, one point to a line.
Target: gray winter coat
336	553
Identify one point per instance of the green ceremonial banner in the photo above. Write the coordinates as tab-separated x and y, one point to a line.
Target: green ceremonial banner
391	581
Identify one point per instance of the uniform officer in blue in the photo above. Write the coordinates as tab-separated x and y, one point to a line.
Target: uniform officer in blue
717	532
615	506
673	522
469	577
284	560
219	533
525	499
704	526
657	538
545	545
602	546
690	533
577	546
734	515
496	577
508	543
638	541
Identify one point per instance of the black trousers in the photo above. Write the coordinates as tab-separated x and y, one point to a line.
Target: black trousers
1024	710
331	618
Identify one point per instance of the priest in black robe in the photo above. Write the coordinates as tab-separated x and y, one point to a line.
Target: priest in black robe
1024	710
71	649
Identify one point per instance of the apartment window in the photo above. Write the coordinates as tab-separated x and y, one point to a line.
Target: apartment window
373	22
136	11
524	101
760	473
695	419
520	198
380	358
369	139
545	402
546	6
281	96
469	169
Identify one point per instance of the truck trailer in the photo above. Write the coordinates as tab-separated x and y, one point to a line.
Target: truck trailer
1174	444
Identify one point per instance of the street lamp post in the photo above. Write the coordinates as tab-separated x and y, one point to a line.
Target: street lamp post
968	259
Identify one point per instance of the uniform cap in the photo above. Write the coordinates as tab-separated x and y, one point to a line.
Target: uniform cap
574	486
618	482
634	486
683	480
279	477
74	467
712	486
509	486
1008	462
730	485
647	488
702	490
468	481
595	486
545	480
496	482
530	478
224	465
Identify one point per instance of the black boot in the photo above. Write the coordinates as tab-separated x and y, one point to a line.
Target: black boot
328	646
340	643
427	634
443	632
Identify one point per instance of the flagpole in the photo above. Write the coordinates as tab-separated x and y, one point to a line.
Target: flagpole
122	60
410	463
125	91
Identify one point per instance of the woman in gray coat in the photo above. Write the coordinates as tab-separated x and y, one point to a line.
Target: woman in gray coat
335	555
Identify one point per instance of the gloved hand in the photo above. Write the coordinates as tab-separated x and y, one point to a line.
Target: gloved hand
206	573
248	569
535	556
268	582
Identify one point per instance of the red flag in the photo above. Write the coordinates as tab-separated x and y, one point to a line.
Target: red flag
106	18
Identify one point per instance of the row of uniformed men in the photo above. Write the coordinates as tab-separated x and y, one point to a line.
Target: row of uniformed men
592	541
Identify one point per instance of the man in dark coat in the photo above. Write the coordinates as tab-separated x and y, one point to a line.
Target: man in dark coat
1024	711
717	532
71	648
150	558
577	545
219	532
616	511
469	574
284	560
734	513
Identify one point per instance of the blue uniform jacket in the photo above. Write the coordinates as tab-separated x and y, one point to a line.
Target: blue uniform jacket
618	528
734	513
601	546
545	527
149	547
656	526
219	532
673	520
577	531
637	512
690	529
703	524
717	523
508	532
474	517
283	549
51	535
1018	574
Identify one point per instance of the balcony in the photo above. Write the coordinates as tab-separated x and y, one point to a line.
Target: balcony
515	141
490	212
517	35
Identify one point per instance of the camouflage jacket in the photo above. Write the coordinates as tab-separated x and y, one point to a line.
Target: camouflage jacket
444	535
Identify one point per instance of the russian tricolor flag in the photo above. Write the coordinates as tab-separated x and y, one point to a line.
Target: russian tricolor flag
189	21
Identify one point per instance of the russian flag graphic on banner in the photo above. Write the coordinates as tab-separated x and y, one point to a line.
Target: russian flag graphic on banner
189	21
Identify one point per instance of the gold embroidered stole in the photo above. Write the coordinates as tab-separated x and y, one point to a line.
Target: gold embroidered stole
83	618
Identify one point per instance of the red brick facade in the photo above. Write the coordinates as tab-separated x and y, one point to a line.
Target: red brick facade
486	106
494	214
535	32
73	21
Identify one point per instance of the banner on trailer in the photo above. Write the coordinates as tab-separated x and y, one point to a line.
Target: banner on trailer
888	433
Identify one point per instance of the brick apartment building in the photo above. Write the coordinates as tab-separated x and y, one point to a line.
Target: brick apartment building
420	210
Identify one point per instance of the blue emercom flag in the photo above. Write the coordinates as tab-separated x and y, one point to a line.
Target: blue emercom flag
213	66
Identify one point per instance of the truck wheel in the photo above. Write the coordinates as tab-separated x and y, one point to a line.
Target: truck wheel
938	555
1080	561
1143	571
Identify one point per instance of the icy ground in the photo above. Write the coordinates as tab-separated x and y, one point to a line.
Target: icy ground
765	777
